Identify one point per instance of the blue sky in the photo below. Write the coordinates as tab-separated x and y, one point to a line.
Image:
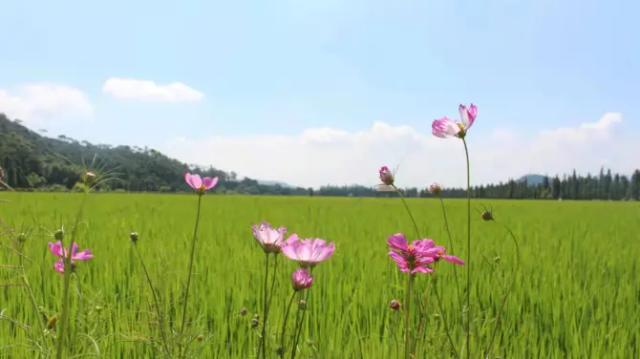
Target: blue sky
279	72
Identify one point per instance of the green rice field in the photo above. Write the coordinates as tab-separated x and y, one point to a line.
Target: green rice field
576	292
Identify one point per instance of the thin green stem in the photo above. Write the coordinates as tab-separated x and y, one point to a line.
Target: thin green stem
299	325
284	324
156	301
265	306
468	259
446	226
189	272
66	260
32	298
406	206
444	319
506	295
407	317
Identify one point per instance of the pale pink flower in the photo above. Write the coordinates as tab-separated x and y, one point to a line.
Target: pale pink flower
435	189
445	127
301	279
59	251
307	252
270	239
200	185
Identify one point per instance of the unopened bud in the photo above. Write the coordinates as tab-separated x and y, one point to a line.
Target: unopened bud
243	311
302	304
59	235
435	189
89	178
280	351
487	216
200	337
386	176
394	304
22	237
134	237
255	321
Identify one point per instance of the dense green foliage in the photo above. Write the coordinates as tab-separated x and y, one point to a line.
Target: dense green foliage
576	293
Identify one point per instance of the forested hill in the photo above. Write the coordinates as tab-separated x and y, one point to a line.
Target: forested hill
30	160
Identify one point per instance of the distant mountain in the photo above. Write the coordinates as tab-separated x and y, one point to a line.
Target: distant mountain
31	160
532	179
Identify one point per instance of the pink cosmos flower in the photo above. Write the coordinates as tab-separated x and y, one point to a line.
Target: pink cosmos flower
59	251
200	185
301	279
386	176
270	239
446	127
307	252
418	256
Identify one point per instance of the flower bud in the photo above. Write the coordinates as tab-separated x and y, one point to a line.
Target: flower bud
134	237
51	323
386	176
243	311
89	178
280	351
200	337
394	304
22	237
301	279
302	304
255	321
435	189
59	235
487	215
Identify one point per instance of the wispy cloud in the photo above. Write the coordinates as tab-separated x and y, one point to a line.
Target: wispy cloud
40	103
321	156
145	90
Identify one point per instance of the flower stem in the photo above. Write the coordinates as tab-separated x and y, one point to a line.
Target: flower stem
444	319
165	343
299	325
407	317
406	206
446	225
284	324
468	262
193	251
265	305
32	298
506	295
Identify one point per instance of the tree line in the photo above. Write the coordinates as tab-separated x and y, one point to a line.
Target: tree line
30	161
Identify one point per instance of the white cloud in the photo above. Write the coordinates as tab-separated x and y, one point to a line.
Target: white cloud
322	156
133	89
40	103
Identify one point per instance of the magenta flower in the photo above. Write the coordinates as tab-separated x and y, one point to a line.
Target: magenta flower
307	252
446	127
200	185
301	279
59	251
386	176
418	256
270	239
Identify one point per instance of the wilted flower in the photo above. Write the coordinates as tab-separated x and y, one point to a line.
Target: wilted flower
59	251
418	256
307	252
446	127
301	279
386	176
200	185
435	189
394	304
270	239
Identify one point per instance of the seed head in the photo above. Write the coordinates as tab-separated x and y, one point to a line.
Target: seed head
134	237
22	237
487	215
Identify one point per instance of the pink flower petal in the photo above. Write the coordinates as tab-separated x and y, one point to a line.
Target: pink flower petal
453	259
59	266
83	256
56	248
209	182
193	180
444	127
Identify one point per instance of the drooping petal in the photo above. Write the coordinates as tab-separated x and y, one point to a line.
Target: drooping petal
59	266
444	127
209	182
452	259
193	180
56	248
83	256
464	115
398	243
